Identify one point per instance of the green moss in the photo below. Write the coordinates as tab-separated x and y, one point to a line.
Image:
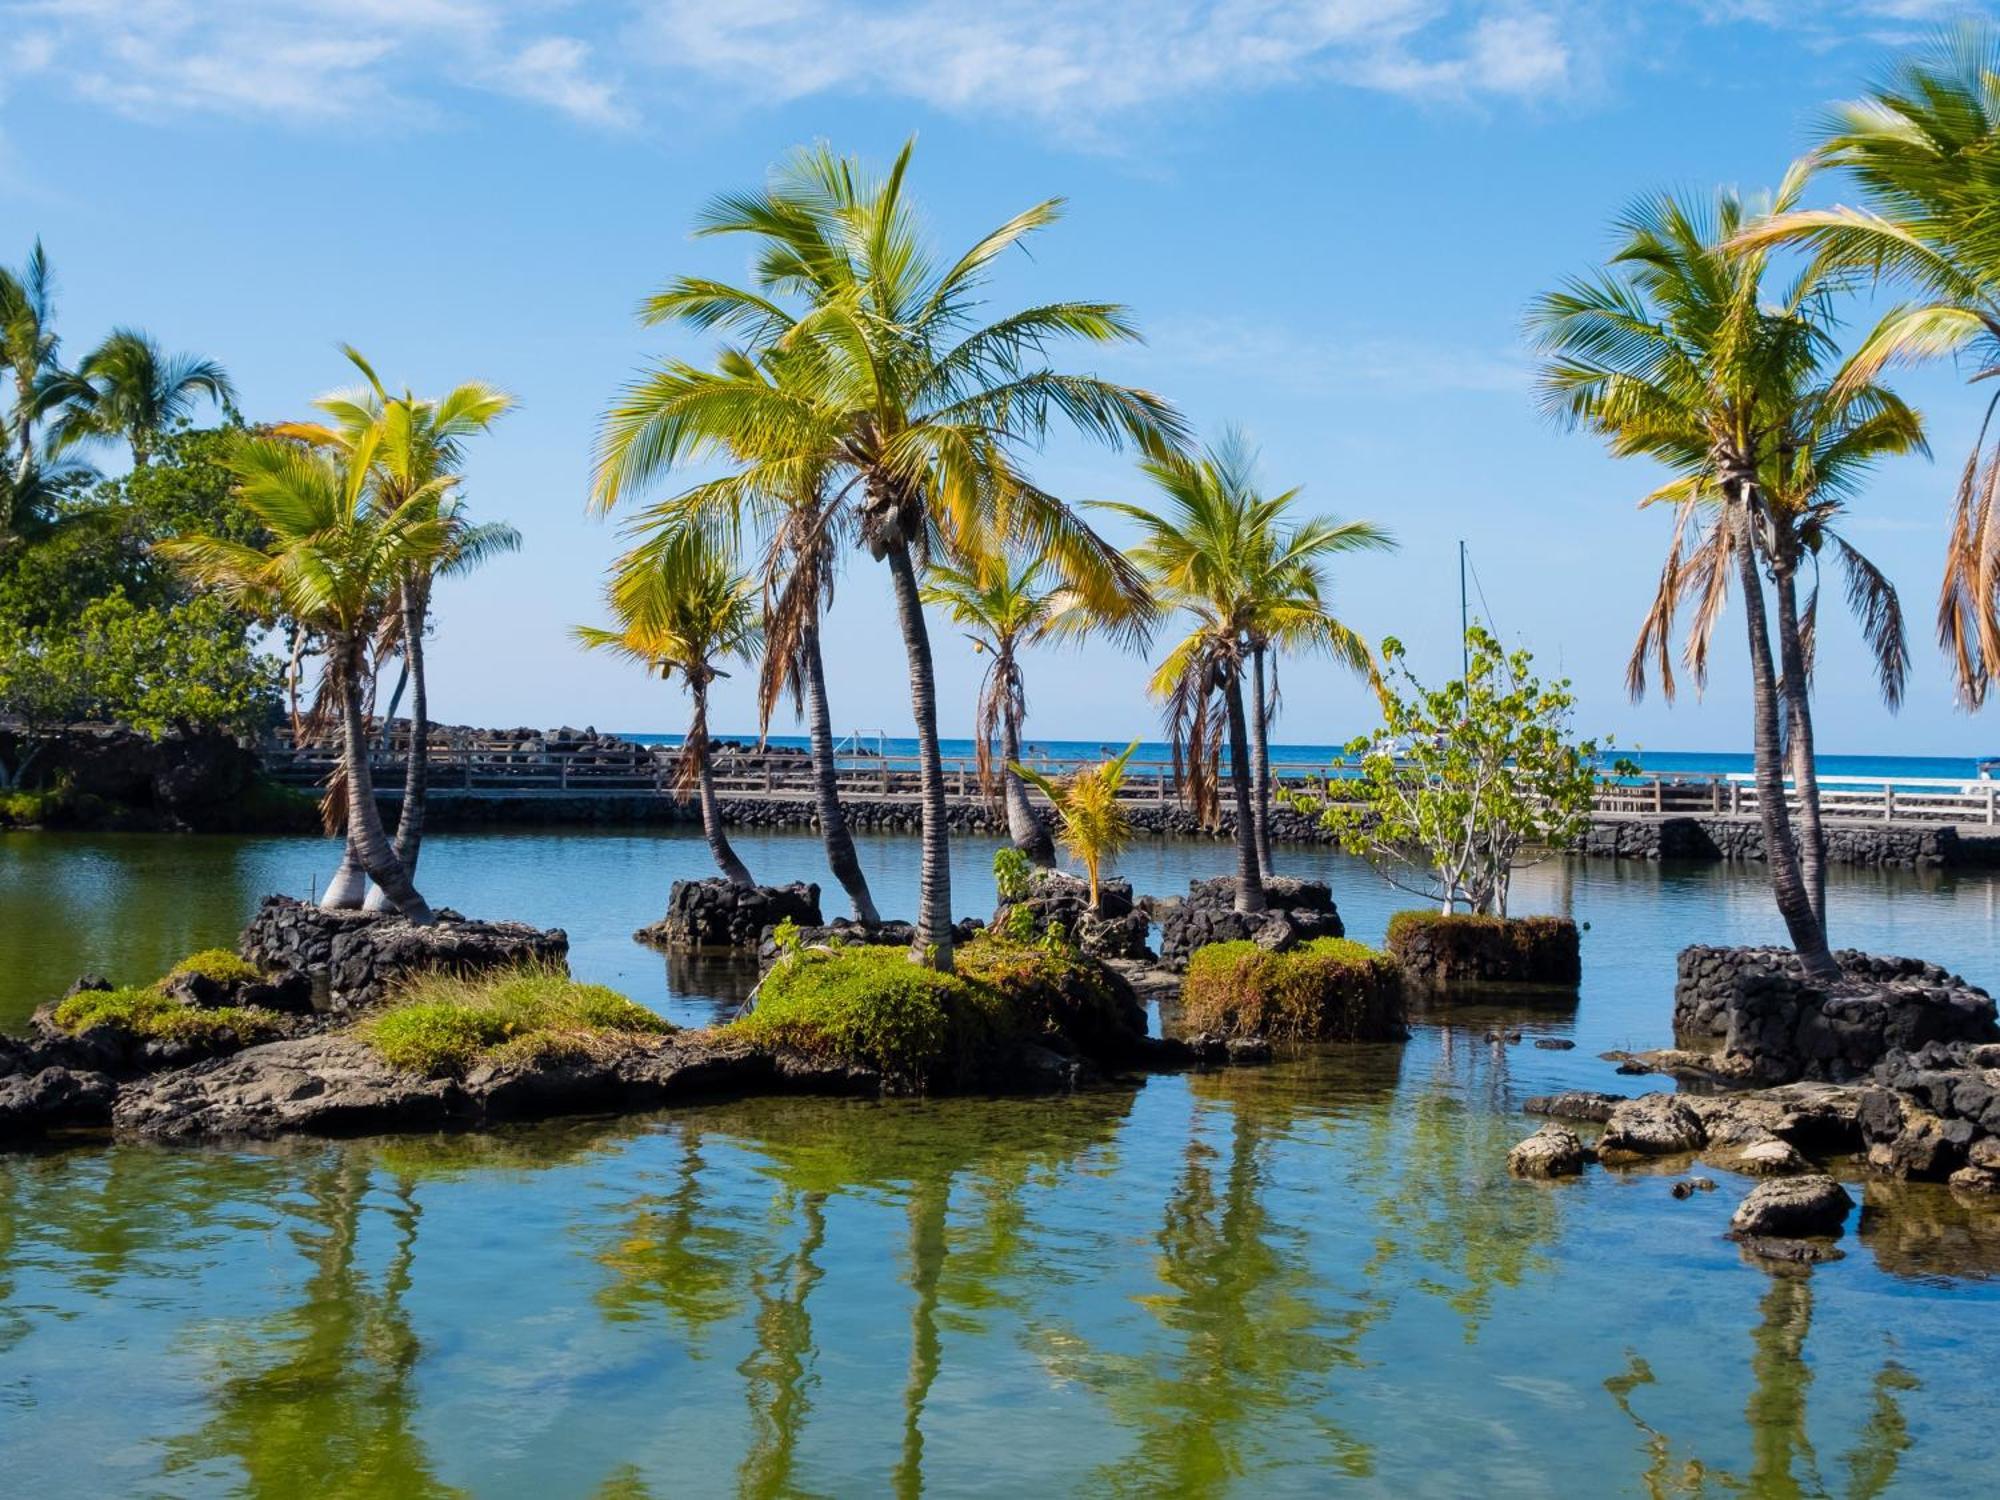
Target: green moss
1331	989
443	1024
922	1029
148	1013
219	964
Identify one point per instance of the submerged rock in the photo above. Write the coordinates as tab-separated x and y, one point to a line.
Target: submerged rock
1552	1151
1792	1208
1575	1104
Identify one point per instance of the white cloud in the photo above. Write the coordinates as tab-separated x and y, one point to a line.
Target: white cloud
303	60
1304	363
1070	62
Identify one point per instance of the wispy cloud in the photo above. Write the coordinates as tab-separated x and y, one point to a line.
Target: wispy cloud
1067	63
1068	68
1334	362
302	60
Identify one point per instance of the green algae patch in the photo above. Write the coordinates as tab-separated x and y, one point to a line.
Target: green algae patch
146	1012
219	964
443	1024
921	1029
1331	989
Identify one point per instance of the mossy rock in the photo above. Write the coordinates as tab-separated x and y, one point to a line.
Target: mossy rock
922	1030
1439	949
1331	989
444	1025
148	1014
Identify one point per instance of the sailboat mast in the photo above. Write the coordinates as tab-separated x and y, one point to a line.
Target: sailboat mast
1464	622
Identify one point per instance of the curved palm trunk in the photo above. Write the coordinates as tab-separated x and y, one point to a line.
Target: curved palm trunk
733	869
1260	763
349	884
1780	850
933	938
1797	688
365	836
1027	831
840	856
1249	877
416	764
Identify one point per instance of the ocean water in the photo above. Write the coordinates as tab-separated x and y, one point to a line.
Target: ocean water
1896	768
1306	1279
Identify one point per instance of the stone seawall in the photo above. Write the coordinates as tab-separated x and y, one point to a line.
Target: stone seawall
1901	846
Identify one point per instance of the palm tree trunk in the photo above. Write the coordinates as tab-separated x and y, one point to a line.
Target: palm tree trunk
1260	763
933	942
1797	688
840	855
1780	850
733	869
349	884
365	836
416	762
1249	878
1029	834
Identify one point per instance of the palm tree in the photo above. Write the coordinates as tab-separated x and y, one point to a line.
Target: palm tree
1672	355
805	532
896	394
680	609
417	450
331	564
1924	148
1095	825
28	345
128	387
1220	552
1003	607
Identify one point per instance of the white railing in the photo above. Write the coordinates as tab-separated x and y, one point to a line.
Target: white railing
502	768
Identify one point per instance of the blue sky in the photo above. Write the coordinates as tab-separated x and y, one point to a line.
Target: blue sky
1328	215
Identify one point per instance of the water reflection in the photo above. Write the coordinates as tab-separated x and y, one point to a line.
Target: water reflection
1783	1461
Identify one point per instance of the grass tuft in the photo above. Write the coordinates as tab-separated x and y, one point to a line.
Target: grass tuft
1331	989
148	1013
443	1024
219	964
921	1029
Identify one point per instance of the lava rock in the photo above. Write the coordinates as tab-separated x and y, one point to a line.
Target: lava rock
714	915
1792	1208
1117	927
1575	1104
1552	1151
1651	1125
52	1098
1297	911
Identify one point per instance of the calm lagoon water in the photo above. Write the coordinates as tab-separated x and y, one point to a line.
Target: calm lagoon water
1305	1278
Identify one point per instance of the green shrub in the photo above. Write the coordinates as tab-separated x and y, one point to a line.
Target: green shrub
219	964
1331	989
921	1029
148	1013
442	1023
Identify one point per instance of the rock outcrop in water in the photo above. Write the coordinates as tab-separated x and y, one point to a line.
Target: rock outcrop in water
714	916
355	957
1298	911
1763	1022
1117	927
1437	951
